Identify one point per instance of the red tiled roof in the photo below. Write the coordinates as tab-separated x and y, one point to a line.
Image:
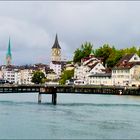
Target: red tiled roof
125	59
59	62
93	65
85	59
127	65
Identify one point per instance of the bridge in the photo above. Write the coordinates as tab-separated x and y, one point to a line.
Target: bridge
54	90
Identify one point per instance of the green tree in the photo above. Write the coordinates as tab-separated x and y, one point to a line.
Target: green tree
138	52
117	54
110	54
84	51
38	77
66	75
104	52
114	57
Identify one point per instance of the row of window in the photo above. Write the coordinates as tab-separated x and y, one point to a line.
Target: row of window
12	72
11	79
100	77
120	71
10	75
100	82
120	76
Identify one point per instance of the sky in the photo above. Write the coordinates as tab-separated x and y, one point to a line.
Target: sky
32	26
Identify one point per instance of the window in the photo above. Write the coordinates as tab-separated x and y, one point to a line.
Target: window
135	58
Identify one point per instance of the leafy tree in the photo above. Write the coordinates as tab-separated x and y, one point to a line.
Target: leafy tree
84	51
138	52
104	52
38	77
110	54
66	75
114	57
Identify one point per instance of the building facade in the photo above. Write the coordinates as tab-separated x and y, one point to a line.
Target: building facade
9	74
89	65
24	76
100	79
57	67
127	71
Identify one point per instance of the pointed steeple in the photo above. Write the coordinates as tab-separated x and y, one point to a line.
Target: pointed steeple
8	54
9	49
56	43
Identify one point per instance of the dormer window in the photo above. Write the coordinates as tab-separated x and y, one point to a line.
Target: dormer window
125	61
135	58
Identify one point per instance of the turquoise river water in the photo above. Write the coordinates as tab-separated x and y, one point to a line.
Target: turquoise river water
74	117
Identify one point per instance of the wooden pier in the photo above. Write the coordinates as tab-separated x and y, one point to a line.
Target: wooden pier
54	90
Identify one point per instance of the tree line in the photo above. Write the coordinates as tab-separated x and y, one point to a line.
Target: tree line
110	54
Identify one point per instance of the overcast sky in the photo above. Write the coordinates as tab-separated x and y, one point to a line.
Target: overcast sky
32	26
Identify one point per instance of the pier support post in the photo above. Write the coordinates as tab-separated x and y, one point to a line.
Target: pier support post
39	98
54	98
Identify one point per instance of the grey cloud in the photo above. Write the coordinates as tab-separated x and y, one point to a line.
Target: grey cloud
32	26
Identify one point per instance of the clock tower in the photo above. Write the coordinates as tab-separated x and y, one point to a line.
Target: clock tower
56	51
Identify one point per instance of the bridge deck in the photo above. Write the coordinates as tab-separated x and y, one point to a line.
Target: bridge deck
68	89
53	90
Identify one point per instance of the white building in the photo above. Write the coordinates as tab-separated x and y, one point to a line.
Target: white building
57	67
81	72
127	71
100	79
20	75
89	65
24	76
9	74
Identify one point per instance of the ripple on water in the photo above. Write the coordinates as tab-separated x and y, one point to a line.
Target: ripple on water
87	117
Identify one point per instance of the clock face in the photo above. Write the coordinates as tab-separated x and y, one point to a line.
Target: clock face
58	52
55	52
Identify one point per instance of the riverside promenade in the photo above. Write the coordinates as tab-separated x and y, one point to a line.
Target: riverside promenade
56	89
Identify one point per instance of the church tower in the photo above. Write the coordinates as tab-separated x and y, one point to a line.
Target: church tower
56	50
8	55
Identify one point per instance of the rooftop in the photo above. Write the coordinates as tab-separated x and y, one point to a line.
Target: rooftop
124	60
56	43
128	65
100	75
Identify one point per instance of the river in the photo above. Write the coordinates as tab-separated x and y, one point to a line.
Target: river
74	117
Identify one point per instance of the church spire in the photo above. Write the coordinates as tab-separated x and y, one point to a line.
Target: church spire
56	50
9	55
9	49
56	43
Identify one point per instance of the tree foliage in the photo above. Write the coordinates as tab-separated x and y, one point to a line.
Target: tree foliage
112	55
109	54
84	51
66	75
38	77
104	52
